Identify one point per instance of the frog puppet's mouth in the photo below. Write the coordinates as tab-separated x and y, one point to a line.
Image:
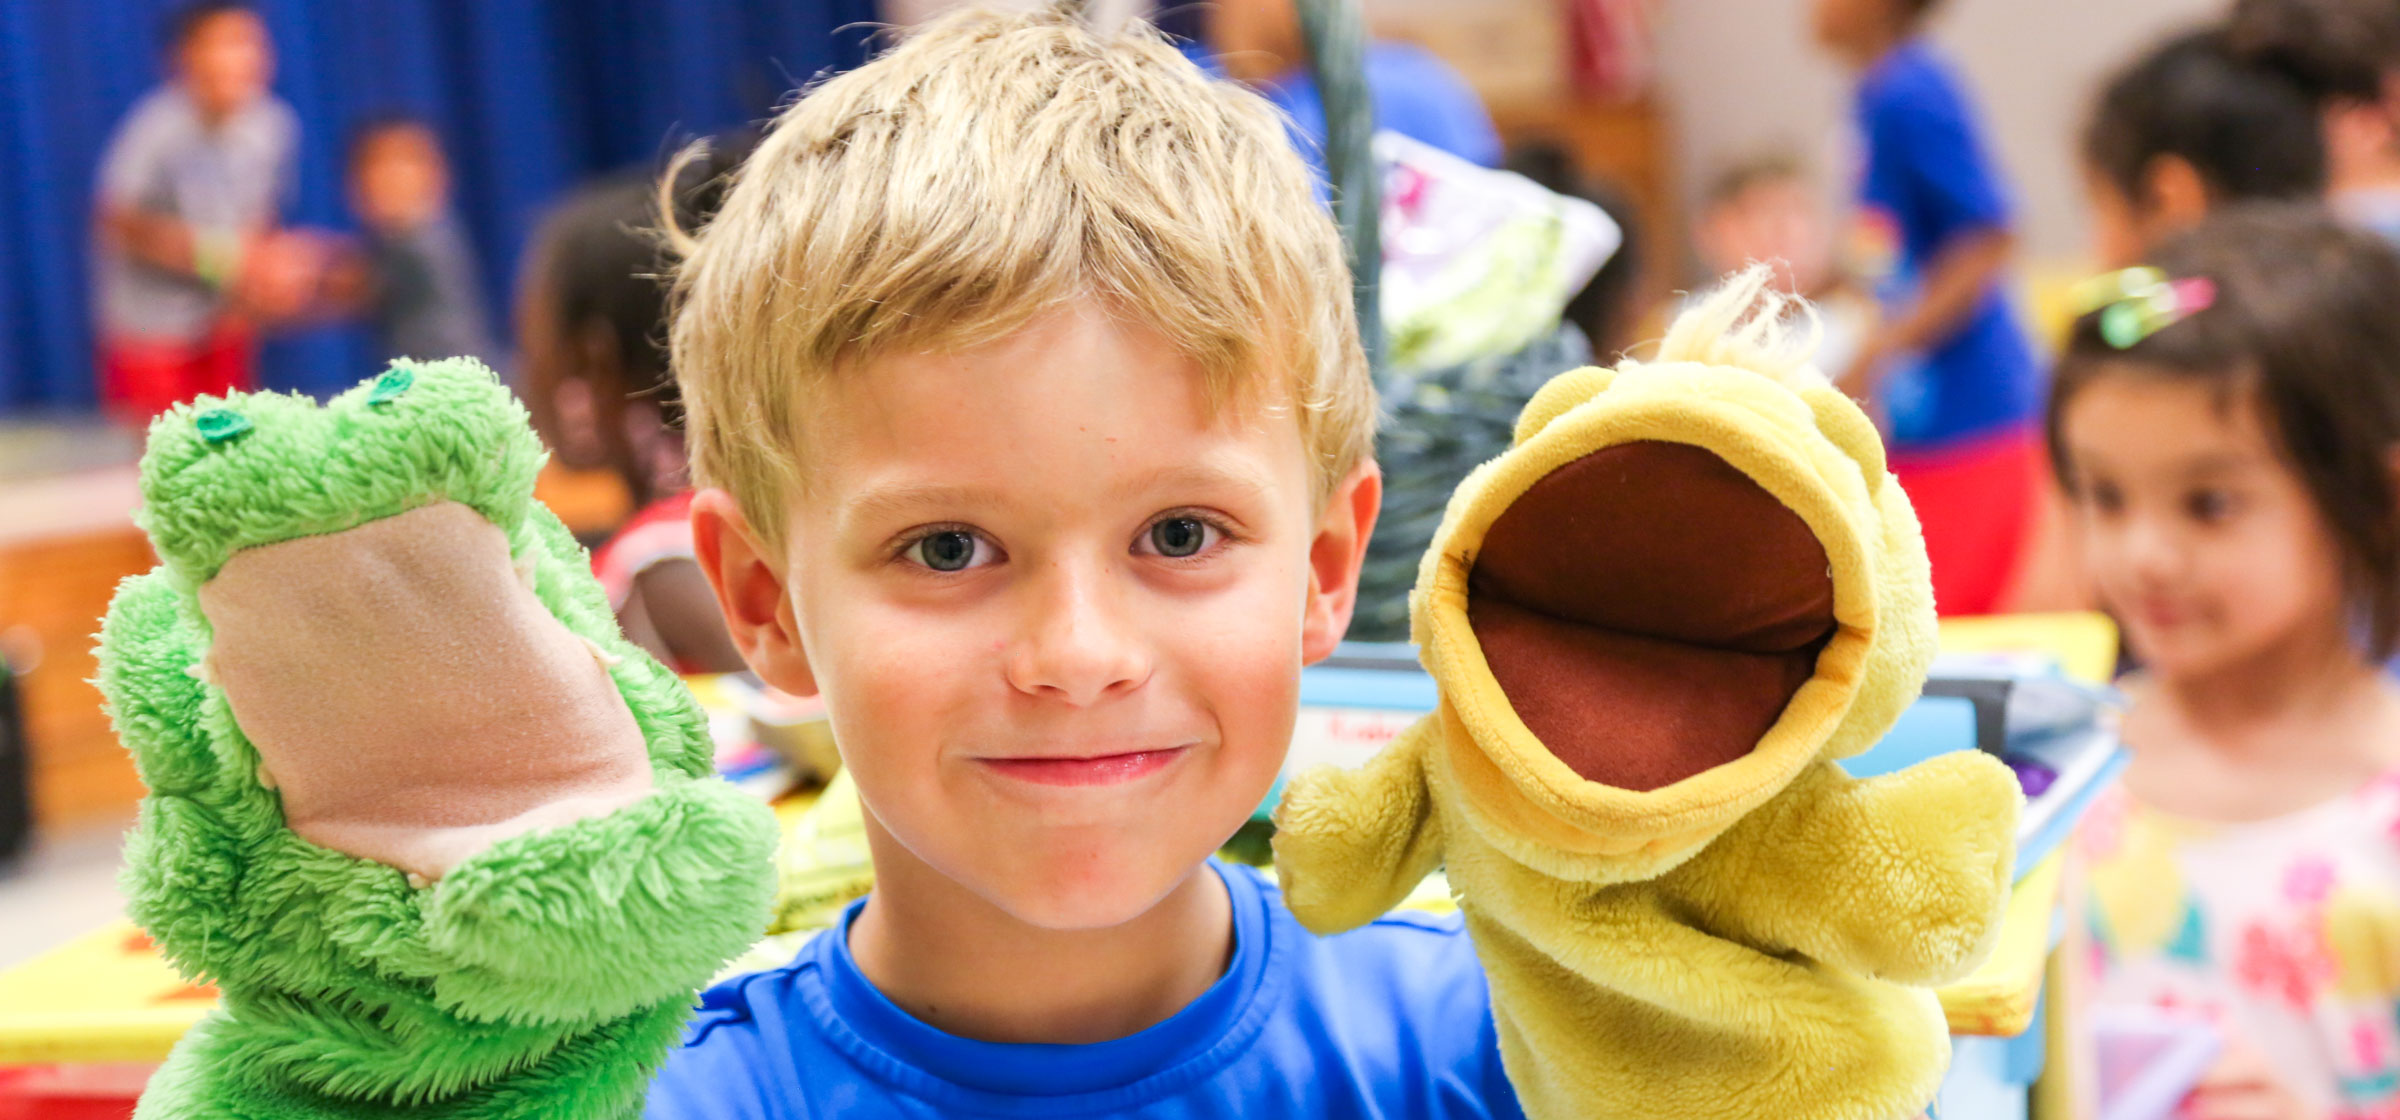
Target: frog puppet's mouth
410	696
1649	610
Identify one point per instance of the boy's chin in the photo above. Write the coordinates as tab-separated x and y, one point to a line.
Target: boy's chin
1068	893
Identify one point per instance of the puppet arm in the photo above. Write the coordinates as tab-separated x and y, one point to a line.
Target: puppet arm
1901	877
1350	844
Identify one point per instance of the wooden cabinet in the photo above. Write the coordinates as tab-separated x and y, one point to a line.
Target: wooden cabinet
53	591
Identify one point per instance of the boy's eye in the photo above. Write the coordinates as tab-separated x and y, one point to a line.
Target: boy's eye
950	550
1177	537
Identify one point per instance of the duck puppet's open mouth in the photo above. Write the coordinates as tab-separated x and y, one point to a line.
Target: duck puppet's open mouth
1649	610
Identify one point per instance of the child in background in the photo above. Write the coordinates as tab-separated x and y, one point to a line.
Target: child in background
2189	126
2347	53
417	281
189	260
1949	367
2244	871
591	329
1766	210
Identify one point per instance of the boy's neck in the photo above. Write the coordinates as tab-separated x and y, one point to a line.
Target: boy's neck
956	962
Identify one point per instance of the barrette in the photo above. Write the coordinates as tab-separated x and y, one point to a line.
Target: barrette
2135	303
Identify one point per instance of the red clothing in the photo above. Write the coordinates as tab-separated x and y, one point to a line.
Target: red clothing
142	377
661	531
1976	500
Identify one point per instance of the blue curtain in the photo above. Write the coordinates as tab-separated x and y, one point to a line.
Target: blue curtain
529	96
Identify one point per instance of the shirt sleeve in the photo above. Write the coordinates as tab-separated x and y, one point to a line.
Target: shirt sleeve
287	161
129	168
1949	176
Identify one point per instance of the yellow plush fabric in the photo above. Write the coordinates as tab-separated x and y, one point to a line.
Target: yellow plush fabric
1754	939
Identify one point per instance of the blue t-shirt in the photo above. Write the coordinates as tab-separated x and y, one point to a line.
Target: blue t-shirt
1391	1020
1927	181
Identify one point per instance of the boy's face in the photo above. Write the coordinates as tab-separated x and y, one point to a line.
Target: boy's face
1256	40
1777	221
399	180
2124	228
1844	27
1057	608
226	62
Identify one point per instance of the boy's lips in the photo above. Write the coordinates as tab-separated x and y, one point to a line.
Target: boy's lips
1091	770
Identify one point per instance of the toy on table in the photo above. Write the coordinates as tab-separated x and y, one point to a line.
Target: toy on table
499	903
1656	622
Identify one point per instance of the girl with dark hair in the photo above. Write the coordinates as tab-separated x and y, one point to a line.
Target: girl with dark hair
2347	54
591	327
2193	124
2226	422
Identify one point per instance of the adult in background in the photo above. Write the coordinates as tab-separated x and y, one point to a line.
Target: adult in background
189	257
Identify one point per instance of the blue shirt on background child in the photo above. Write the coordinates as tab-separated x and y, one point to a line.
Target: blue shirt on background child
1926	180
1390	1020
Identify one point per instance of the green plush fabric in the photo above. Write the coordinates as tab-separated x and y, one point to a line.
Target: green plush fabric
546	975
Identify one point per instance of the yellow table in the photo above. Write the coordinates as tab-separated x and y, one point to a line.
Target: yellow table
104	997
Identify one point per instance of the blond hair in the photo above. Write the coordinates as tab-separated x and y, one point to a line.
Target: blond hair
989	168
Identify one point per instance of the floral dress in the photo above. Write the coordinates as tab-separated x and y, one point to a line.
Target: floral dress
2283	932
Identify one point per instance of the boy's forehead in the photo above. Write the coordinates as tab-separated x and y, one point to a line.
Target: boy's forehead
1109	400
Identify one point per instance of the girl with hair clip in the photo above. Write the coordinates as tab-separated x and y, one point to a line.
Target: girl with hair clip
2244	874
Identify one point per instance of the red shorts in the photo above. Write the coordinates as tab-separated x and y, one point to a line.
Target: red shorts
1977	502
142	377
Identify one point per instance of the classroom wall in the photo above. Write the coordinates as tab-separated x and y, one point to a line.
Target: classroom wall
1742	75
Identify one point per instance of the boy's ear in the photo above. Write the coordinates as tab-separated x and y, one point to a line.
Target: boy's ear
749	582
1335	556
2175	194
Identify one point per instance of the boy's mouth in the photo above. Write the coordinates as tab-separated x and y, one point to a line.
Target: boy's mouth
1090	770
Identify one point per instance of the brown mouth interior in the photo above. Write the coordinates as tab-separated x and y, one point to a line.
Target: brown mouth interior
1649	612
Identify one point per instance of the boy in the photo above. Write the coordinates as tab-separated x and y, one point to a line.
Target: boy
1950	368
188	256
1021	370
1764	210
419	289
1028	370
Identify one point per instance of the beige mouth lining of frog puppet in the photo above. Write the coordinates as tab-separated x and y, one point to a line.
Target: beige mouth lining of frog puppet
410	698
1650	611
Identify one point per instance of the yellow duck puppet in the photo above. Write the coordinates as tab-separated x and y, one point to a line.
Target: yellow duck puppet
1656	621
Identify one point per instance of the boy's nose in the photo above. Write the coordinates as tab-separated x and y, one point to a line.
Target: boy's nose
1076	643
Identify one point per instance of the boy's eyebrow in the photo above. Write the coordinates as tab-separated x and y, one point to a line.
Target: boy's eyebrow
1202	475
899	499
881	502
